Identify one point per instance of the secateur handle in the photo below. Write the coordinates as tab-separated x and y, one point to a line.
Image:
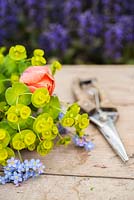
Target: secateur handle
81	96
81	90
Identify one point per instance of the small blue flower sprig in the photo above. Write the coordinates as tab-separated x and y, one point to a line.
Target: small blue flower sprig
82	142
16	172
77	140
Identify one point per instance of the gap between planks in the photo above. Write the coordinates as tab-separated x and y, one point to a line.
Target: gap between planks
86	176
82	176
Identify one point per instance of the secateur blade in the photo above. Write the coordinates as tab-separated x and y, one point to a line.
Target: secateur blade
109	131
102	112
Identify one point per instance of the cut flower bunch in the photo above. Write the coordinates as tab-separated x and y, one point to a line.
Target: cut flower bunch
31	116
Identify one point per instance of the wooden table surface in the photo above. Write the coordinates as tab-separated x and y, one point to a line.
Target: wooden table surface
74	174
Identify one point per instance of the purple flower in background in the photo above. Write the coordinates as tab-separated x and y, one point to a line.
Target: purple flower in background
54	39
72	8
35	12
128	7
126	23
90	27
8	20
71	11
72	30
54	11
113	41
111	8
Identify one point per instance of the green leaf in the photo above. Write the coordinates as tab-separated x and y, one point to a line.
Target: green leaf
2	86
10	152
16	94
53	107
5	141
23	123
2	49
3	109
5	125
3	154
10	66
22	66
29	123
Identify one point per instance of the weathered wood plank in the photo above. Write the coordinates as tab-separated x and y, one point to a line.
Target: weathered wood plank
72	188
118	82
102	161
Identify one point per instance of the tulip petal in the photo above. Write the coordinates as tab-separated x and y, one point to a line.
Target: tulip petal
38	77
33	74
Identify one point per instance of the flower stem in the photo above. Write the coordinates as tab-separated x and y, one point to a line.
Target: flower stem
19	154
17	99
59	109
39	137
19	128
32	117
29	59
26	93
20	157
60	136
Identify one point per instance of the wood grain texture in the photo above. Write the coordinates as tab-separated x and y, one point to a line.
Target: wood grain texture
72	173
69	188
117	82
102	161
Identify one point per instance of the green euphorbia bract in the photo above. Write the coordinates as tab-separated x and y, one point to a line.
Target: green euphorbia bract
30	120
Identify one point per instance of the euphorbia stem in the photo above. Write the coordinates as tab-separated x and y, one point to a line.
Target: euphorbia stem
20	157
19	128
32	117
59	109
39	137
60	136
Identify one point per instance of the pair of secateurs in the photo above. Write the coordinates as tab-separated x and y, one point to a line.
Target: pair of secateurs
102	113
